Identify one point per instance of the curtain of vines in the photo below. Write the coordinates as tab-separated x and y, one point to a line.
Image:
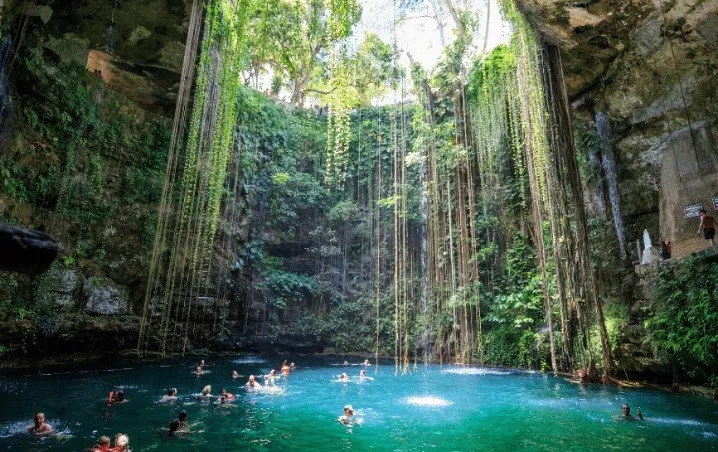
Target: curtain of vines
521	100
192	199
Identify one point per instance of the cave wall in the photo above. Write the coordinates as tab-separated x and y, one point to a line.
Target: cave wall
652	67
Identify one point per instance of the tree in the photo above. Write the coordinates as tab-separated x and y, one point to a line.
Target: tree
292	36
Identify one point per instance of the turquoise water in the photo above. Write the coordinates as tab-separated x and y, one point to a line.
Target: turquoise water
433	408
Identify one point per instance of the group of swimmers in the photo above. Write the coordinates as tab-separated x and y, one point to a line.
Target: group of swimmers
180	425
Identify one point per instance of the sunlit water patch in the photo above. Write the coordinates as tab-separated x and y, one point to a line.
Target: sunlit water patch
429	401
249	360
474	371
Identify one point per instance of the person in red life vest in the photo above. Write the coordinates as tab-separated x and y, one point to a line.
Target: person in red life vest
228	395
116	397
103	444
708	226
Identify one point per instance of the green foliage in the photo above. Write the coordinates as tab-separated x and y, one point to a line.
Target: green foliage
684	325
285	287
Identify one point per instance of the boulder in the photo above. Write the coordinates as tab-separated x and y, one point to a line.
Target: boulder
26	250
59	287
105	298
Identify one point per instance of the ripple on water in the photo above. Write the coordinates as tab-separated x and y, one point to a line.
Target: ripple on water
474	371
20	428
249	360
430	401
676	421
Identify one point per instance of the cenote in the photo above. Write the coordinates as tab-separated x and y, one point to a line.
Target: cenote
477	184
430	408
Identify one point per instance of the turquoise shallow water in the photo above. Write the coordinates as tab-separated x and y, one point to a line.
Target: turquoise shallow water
432	408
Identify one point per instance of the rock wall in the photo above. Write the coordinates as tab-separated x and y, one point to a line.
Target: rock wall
652	67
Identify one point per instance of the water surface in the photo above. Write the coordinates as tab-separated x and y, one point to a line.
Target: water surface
431	408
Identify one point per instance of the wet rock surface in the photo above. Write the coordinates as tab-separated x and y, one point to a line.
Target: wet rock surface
105	298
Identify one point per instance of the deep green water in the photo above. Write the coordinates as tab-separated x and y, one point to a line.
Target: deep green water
433	408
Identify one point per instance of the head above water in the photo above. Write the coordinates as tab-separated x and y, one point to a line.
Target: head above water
626	409
348	410
103	441
206	390
39	419
174	425
119	395
201	363
122	440
183	415
172	392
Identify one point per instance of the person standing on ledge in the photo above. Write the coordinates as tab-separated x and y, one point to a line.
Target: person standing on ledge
708	226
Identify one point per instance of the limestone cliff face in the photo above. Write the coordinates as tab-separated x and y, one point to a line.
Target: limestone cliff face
135	46
652	67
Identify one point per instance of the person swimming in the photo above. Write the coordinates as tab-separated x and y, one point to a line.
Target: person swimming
201	363
348	417
626	412
252	383
173	428
285	369
102	444
183	419
40	427
116	397
171	396
235	374
292	366
198	371
206	393
229	396
271	378
343	377
366	363
122	443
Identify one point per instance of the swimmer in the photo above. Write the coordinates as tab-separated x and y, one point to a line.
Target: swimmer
271	379
626	411
201	363
173	428
346	363
198	371
229	396
102	445
252	383
171	396
285	369
292	366
206	392
366	363
362	375
183	419
122	443
40	427
348	417
116	397
343	377
222	400
235	375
